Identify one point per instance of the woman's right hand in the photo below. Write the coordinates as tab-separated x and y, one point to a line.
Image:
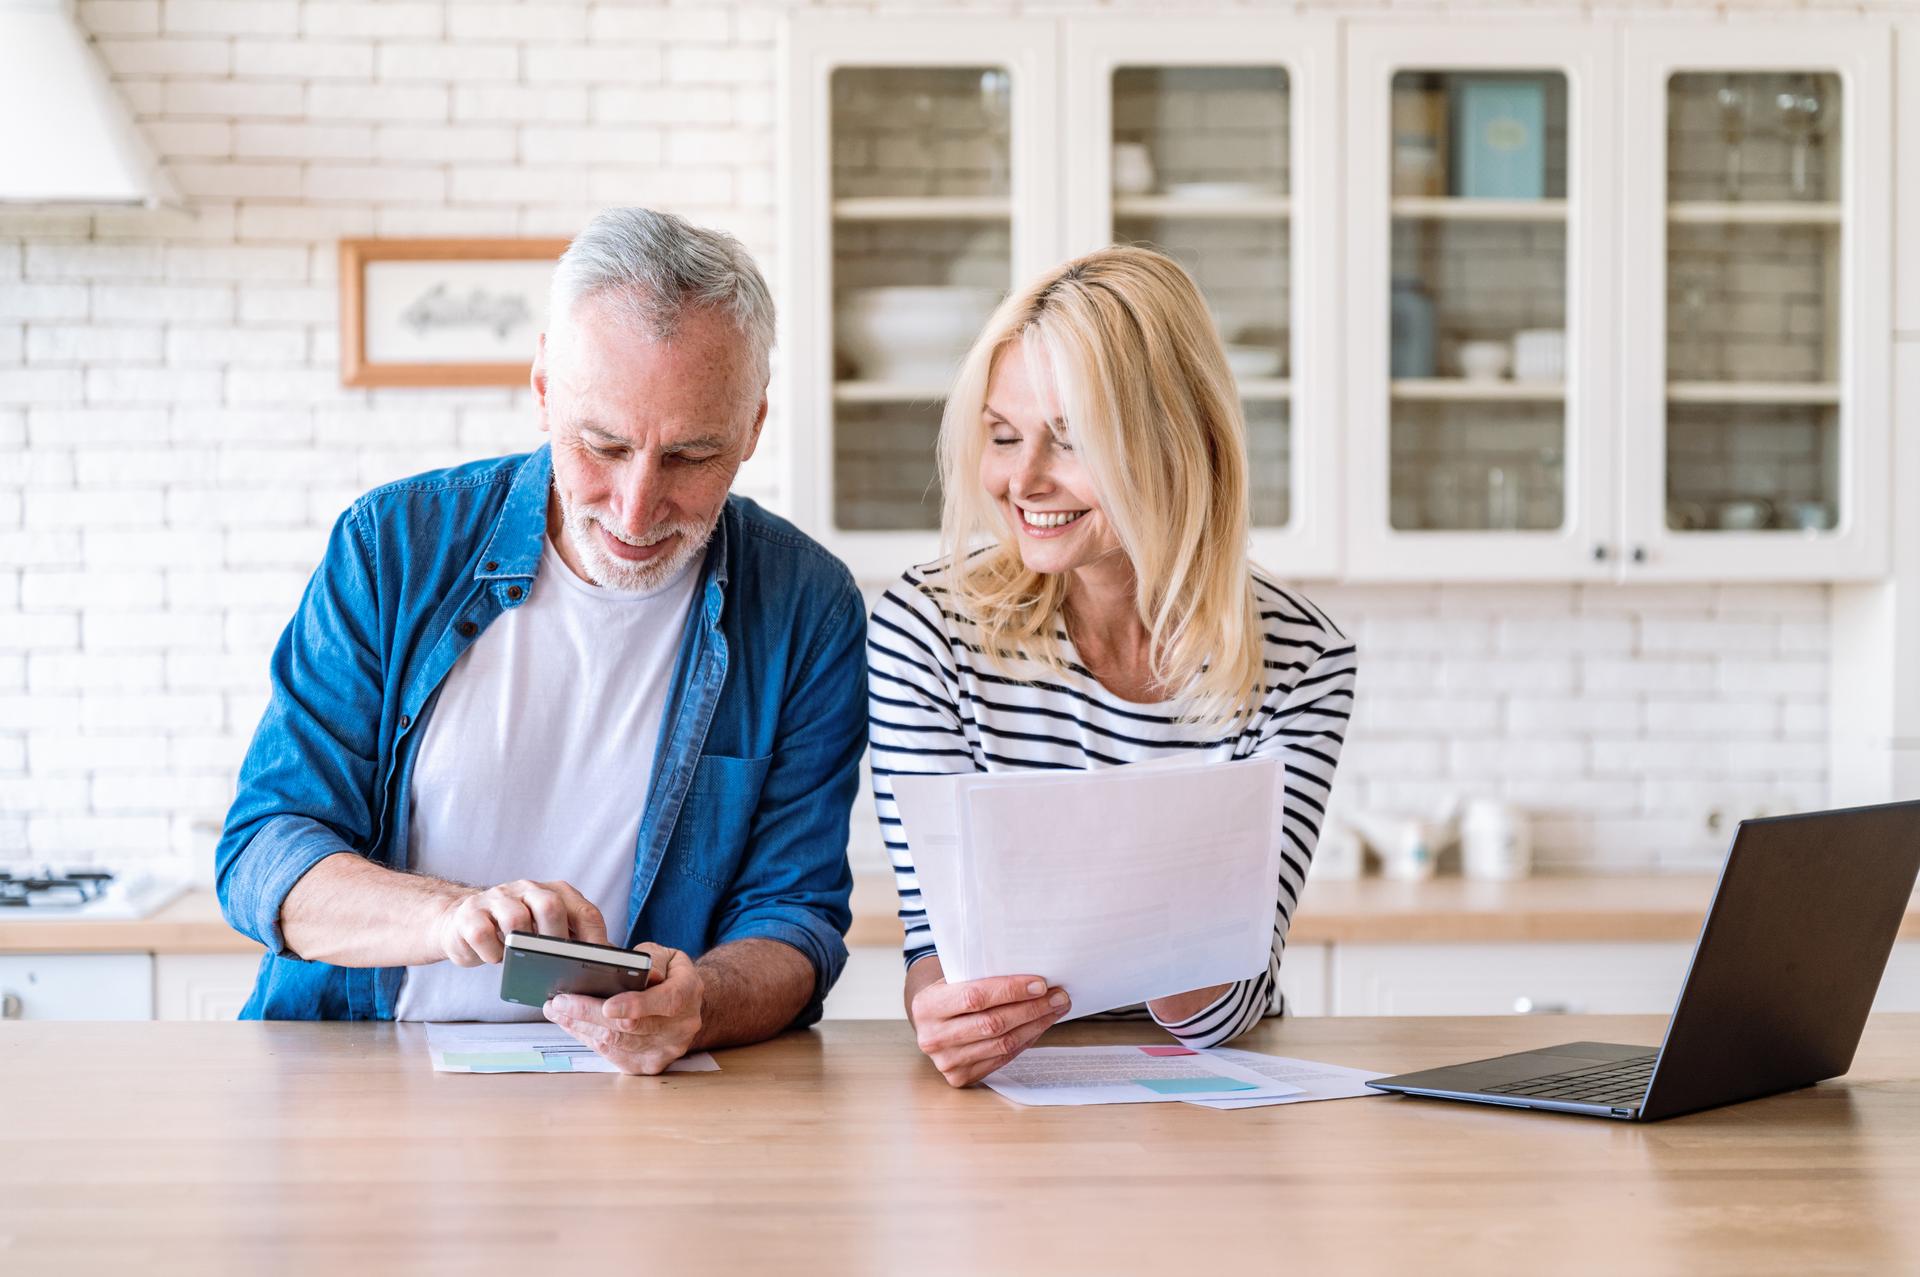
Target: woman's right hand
972	1028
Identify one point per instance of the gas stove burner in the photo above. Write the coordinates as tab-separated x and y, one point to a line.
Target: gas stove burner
72	889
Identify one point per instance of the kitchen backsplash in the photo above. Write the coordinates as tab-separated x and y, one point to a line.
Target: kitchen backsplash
174	441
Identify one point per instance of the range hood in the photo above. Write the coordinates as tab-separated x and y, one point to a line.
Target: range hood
65	134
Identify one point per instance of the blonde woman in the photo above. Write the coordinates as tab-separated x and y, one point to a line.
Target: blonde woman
1096	607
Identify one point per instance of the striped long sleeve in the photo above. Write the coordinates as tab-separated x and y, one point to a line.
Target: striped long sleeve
937	706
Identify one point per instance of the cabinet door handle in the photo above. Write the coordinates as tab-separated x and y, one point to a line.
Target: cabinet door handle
10	1008
1600	553
1639	554
1527	1006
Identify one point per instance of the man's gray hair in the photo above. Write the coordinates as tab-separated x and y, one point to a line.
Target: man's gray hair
652	267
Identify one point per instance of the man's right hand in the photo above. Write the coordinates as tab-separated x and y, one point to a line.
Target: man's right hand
972	1028
472	929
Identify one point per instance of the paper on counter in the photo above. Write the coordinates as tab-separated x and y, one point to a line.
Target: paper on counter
1312	1081
1118	885
1051	1075
528	1047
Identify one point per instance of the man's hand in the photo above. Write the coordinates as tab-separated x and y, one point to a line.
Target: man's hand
472	928
640	1032
972	1028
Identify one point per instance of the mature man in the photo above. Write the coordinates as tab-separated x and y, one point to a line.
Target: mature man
614	699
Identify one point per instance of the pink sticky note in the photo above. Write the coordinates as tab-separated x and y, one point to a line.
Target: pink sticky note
1166	1050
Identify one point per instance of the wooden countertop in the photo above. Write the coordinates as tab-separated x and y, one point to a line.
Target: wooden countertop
1367	911
299	1148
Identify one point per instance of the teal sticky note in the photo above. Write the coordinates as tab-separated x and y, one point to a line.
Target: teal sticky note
1190	1085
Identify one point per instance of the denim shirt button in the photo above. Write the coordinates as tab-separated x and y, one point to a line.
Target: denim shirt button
514	592
406	721
492	564
467	629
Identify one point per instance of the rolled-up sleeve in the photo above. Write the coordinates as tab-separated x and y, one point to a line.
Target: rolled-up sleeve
307	786
795	884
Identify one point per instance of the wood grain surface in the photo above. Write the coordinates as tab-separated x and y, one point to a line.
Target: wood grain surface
333	1148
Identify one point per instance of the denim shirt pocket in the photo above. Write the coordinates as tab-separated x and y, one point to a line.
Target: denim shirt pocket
717	817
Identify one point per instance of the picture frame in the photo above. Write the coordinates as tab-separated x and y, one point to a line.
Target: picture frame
442	312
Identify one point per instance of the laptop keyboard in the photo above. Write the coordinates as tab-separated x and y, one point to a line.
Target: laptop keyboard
1618	1082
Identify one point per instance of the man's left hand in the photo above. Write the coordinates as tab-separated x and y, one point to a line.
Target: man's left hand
639	1032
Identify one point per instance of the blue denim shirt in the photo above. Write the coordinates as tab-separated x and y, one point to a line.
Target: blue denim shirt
744	830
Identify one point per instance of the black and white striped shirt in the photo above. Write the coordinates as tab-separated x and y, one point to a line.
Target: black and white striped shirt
936	705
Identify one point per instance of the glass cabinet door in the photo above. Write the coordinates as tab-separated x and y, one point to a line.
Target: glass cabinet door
1477	301
922	253
919	185
1480	304
1753	266
1202	171
1754	245
1207	140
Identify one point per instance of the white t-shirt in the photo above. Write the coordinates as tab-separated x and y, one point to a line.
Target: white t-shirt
537	760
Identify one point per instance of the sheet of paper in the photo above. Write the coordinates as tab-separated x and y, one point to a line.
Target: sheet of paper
1050	1075
930	814
1119	885
1313	1081
528	1047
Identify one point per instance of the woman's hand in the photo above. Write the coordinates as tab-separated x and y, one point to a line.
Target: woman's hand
972	1028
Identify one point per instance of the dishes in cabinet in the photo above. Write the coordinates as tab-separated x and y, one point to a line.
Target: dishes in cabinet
1223	191
910	333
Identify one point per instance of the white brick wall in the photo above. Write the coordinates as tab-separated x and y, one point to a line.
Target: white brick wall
174	442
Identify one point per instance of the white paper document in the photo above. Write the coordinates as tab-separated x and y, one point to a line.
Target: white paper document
528	1047
1047	1075
1311	1081
1118	885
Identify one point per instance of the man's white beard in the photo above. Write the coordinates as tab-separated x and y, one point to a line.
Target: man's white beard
582	524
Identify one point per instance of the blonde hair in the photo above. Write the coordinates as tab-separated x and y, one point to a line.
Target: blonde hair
1155	418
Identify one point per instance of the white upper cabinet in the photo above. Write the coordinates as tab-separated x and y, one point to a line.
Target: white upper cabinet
1214	140
1562	298
1756	258
1479	302
922	177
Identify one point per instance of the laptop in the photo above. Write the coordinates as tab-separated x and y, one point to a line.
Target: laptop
1782	978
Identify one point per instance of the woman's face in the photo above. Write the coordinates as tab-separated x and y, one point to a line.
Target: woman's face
1031	472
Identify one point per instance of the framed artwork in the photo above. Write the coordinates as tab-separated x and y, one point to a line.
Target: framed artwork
442	312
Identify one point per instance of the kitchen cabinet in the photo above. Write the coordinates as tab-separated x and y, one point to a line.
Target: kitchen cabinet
1603	300
1675	311
202	986
76	986
1219	150
1756	255
921	174
1480	407
1543	979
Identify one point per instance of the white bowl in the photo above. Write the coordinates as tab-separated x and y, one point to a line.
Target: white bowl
1253	361
910	333
1484	360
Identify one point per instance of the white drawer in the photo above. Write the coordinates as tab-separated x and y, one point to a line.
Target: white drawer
202	986
1303	978
77	986
1500	979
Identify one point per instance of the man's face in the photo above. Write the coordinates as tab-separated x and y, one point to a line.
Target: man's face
647	437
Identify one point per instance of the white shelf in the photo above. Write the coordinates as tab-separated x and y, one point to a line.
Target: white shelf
1226	210
1753	392
919	392
1464	390
1446	208
888	392
1265	388
924	208
1755	213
